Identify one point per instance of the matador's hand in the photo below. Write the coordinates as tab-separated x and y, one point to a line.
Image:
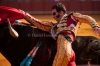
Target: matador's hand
97	30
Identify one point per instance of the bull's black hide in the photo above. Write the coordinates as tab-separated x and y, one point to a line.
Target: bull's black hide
87	48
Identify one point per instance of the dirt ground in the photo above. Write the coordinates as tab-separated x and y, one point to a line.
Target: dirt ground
84	30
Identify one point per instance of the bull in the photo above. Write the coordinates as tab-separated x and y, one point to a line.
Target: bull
87	48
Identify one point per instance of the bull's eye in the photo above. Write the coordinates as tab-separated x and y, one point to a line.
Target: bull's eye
1	34
90	40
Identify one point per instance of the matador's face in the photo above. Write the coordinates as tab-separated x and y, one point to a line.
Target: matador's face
56	15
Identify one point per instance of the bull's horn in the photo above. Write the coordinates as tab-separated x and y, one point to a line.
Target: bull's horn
12	31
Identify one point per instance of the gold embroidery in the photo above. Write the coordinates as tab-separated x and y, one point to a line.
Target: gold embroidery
63	19
45	26
62	24
63	52
60	29
85	19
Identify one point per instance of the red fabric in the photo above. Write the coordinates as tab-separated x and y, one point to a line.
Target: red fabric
72	59
70	21
11	13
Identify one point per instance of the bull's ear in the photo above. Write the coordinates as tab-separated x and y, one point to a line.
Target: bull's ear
12	31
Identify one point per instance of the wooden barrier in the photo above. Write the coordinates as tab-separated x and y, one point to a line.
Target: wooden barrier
91	7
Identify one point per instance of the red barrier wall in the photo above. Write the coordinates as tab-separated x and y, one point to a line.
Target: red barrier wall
45	7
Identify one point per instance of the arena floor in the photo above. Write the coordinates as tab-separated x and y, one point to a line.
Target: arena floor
84	30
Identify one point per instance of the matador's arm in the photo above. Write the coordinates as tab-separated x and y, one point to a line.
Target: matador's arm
87	19
43	25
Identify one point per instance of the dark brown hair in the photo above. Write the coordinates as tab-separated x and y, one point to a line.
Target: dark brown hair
59	7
